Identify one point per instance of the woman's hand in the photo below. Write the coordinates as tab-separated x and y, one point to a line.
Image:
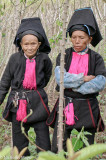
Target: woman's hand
88	78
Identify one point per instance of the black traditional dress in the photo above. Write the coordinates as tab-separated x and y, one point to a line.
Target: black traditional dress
19	73
14	76
86	107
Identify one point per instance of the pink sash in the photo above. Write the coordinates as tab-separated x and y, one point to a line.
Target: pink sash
29	81
79	64
69	114
21	112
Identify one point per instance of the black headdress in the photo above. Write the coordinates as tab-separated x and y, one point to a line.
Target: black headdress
83	19
32	26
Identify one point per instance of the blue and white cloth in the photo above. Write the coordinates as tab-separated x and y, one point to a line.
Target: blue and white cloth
77	84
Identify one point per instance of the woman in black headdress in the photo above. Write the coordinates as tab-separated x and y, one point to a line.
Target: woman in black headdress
84	77
27	73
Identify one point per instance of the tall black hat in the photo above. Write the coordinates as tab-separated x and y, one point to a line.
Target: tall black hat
34	26
83	19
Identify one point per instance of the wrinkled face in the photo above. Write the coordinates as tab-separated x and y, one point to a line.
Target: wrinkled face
30	45
80	39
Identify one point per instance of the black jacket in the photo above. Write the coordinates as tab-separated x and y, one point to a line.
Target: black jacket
14	75
96	67
86	107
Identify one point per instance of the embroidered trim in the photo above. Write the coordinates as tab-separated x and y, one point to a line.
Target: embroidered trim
91	114
54	113
82	52
43	102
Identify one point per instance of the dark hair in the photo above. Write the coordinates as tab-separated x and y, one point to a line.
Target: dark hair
21	35
84	28
40	38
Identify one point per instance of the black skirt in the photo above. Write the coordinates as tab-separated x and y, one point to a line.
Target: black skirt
86	113
37	101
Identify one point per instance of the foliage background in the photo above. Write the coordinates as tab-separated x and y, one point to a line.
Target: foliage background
50	12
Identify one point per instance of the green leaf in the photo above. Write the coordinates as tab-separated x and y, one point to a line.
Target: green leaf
28	158
87	133
59	23
74	132
79	135
15	152
3	34
91	151
85	141
22	152
78	145
49	156
4	152
61	153
69	148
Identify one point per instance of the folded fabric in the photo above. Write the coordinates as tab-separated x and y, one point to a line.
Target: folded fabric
95	85
76	82
70	80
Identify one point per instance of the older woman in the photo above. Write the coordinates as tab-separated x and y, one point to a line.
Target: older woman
27	73
84	77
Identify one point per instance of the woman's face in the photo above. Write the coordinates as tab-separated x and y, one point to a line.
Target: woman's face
30	45
80	39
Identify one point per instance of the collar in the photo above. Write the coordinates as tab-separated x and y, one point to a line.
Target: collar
83	51
27	57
